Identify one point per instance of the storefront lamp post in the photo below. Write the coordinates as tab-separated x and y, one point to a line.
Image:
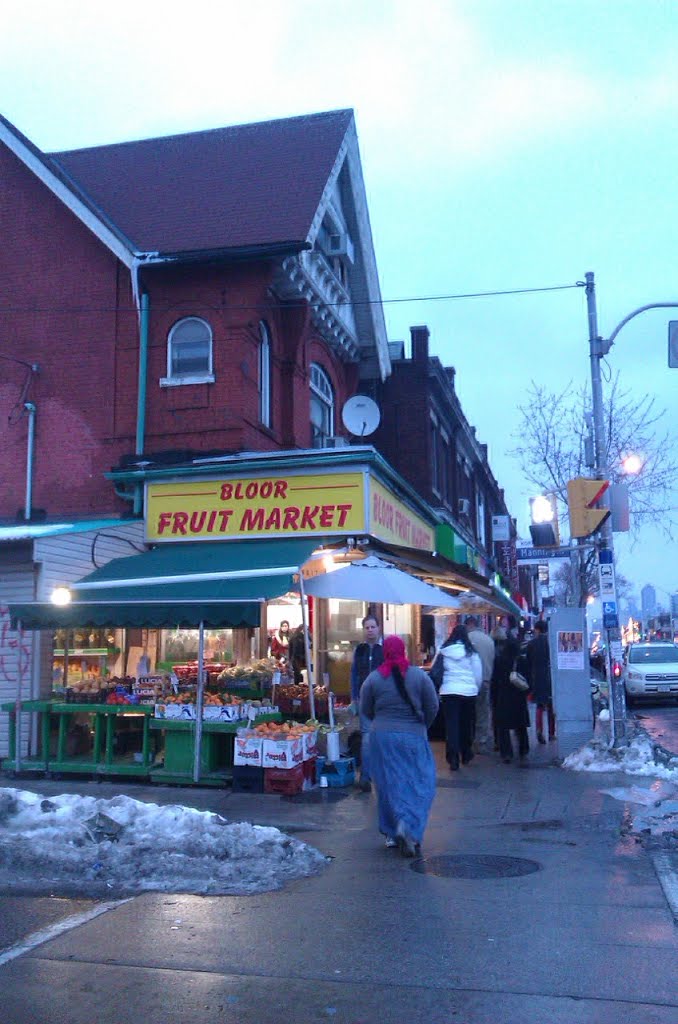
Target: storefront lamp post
598	348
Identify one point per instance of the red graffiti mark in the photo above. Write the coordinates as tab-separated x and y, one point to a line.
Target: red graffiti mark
9	643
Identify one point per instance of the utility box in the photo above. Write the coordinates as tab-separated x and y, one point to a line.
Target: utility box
571	677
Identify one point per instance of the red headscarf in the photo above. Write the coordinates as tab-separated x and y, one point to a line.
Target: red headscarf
394	654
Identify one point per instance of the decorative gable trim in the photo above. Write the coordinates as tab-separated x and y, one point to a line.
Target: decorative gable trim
35	162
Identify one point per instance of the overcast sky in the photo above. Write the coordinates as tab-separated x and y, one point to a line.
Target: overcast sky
505	144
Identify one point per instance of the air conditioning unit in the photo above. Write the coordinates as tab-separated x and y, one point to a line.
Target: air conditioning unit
336	442
464	507
339	244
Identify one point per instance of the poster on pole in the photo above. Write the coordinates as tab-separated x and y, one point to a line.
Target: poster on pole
570	650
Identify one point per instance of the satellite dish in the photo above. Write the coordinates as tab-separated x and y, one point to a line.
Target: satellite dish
360	416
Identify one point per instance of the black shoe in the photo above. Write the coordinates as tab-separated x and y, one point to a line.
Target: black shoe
454	762
467	757
507	760
540	737
365	786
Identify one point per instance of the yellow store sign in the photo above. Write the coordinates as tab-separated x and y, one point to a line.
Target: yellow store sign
394	522
318	504
323	504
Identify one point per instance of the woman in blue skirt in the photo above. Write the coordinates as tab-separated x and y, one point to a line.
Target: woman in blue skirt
401	702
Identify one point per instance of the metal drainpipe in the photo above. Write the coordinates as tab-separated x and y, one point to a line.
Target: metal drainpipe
31	410
141	392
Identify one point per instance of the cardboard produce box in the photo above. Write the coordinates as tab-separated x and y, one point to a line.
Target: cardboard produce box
248	750
283	754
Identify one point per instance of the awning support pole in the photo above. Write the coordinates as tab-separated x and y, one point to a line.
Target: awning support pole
17	706
197	750
310	669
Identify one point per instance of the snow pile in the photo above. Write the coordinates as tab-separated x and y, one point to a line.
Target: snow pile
73	840
659	814
639	757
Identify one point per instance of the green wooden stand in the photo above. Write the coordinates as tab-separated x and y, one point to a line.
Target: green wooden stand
216	755
40	763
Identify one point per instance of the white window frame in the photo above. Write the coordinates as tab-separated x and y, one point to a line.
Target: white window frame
264	374
175	380
321	387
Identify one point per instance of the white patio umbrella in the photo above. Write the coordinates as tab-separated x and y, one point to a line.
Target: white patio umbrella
377	581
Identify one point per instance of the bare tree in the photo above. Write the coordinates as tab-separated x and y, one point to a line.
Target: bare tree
551	447
563	582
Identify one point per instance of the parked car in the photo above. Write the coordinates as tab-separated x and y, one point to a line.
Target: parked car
651	671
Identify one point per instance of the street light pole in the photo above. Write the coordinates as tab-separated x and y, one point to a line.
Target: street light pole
597	349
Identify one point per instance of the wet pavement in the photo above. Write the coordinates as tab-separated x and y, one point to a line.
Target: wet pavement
531	904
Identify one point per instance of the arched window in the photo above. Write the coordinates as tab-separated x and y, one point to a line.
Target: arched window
264	374
189	352
322	407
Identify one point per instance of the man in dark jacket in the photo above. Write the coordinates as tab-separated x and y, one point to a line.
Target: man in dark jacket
367	656
539	676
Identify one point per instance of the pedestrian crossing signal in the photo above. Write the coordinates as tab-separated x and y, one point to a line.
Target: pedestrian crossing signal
582	495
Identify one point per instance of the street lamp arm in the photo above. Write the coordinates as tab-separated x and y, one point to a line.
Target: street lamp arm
606	344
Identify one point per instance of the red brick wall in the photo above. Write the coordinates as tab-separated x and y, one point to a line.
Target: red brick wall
72	312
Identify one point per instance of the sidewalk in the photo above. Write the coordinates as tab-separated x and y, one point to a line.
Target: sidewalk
587	936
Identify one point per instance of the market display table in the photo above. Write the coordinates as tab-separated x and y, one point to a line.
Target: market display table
216	754
40	762
106	727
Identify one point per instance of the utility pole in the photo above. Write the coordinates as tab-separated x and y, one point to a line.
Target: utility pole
597	349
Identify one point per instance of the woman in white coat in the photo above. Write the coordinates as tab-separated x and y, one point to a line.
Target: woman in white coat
460	670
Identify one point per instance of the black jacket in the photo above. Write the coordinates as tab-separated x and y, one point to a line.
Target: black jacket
510	711
365	659
539	668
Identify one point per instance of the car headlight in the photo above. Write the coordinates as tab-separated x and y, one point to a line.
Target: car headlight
638	676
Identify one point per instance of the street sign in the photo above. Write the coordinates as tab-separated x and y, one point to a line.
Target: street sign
539	554
606	581
610	618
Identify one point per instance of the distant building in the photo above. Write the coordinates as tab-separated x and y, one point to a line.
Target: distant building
648	601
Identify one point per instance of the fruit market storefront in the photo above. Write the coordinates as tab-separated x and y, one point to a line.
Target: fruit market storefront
234	543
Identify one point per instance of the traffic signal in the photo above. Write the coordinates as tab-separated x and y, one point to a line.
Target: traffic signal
544	521
582	495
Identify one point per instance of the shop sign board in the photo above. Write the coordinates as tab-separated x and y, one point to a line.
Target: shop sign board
392	521
312	504
322	504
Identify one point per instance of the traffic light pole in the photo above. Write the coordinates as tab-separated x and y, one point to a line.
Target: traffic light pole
597	349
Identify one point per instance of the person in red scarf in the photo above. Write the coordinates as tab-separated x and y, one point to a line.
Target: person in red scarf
401	702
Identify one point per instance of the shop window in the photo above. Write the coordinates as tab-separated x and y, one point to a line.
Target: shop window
322	407
264	374
189	353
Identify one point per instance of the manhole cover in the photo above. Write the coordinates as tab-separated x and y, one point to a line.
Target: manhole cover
456	784
475	866
317	796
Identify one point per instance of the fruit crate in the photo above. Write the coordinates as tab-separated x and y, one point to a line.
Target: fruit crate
284	781
247	779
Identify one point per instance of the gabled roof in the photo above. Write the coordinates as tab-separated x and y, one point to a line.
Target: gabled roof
248	185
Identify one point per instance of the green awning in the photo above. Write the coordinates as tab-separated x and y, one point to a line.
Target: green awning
217	583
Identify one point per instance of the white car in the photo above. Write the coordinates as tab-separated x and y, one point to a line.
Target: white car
651	670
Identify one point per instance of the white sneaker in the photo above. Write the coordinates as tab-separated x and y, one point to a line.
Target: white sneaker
391	844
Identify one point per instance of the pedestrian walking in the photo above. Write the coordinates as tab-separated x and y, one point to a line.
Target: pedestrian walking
367	656
458	665
511	712
484	645
400	702
538	658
